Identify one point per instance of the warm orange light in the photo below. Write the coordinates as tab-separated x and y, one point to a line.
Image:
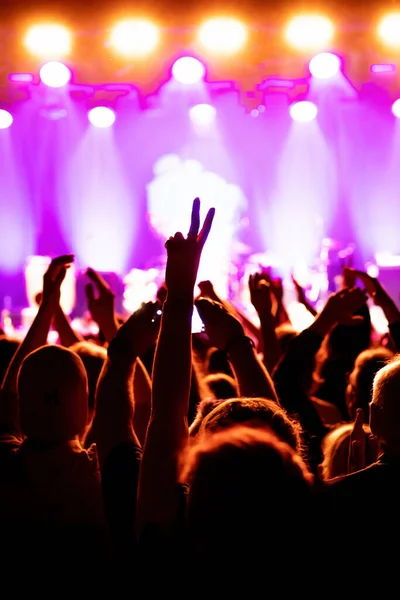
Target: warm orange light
389	30
48	41
223	35
309	32
135	37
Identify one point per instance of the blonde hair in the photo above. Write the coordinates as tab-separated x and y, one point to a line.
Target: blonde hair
335	449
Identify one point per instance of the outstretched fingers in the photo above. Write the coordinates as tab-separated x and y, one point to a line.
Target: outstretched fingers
204	233
195	220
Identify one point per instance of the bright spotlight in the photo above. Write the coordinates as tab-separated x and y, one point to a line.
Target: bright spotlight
309	32
55	74
5	119
101	117
324	65
48	40
136	37
202	114
303	112
389	30
188	70
223	35
396	108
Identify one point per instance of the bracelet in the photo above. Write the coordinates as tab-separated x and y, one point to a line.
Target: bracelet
238	339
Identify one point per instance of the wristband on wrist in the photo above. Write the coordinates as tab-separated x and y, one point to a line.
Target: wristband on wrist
237	339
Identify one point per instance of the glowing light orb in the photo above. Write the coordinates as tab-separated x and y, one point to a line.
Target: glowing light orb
308	32
101	117
202	114
389	30
48	40
55	74
188	70
5	119
303	112
396	108
324	65
136	37
223	35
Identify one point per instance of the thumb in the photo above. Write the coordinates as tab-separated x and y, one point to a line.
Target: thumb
89	292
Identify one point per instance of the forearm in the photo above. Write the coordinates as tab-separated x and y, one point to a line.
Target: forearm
142	395
34	339
167	433
253	378
271	350
68	337
173	360
113	421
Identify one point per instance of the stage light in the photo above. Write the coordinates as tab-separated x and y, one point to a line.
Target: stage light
303	112
396	108
309	32
188	70
202	114
324	65
101	117
55	74
223	35
383	68
48	41
5	119
136	37
389	30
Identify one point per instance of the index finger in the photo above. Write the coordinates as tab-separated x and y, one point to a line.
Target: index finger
97	279
195	220
204	233
65	259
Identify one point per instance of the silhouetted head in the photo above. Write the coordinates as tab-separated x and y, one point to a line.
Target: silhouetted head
248	491
221	386
336	448
8	347
93	358
53	393
217	362
385	407
255	412
359	387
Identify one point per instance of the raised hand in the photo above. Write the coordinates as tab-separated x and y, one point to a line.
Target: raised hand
53	279
140	331
358	445
221	326
207	290
101	306
184	254
372	285
342	305
379	295
260	294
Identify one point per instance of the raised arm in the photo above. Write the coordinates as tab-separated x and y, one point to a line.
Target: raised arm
113	422
167	434
260	294
101	304
35	338
294	371
227	333
382	299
